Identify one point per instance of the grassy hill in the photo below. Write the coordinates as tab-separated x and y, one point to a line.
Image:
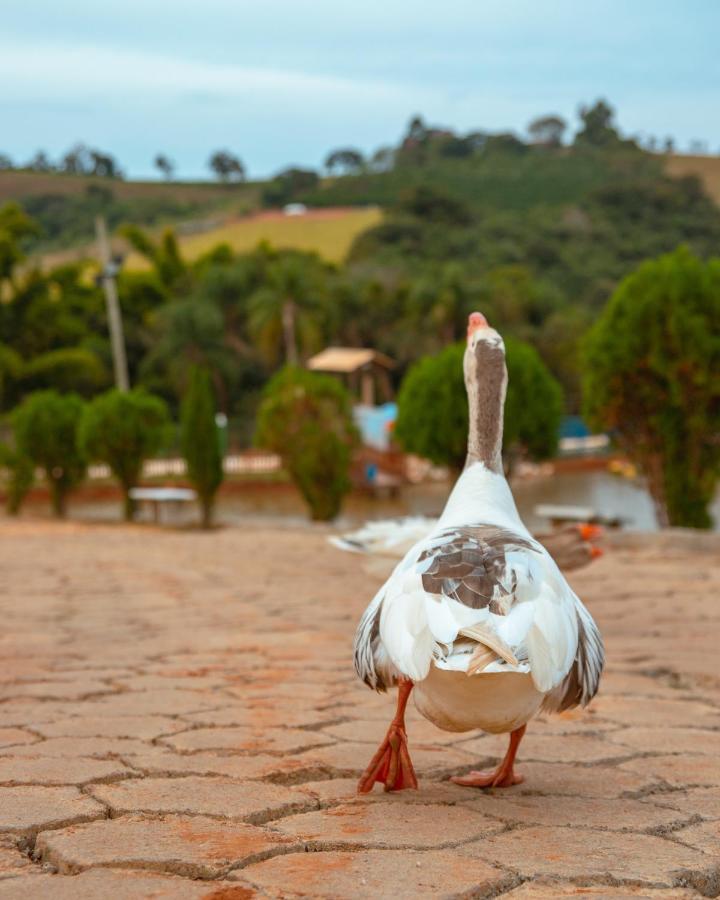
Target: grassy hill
19	185
329	232
207	213
706	168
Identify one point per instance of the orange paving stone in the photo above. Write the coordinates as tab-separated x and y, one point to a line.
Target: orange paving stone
179	718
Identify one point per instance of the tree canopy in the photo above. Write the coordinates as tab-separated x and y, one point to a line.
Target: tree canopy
652	378
306	419
123	429
47	426
201	441
433	412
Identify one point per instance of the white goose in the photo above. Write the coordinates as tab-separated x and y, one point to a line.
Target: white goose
477	620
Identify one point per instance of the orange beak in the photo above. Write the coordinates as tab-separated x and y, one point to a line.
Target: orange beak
476	321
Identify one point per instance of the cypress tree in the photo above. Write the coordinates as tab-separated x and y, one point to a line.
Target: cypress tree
201	441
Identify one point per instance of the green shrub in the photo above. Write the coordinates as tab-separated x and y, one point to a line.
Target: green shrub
652	378
307	420
201	441
123	429
46	431
20	476
433	412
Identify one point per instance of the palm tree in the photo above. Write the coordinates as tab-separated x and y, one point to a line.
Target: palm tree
285	314
442	299
163	255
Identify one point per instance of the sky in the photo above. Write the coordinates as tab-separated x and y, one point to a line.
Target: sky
282	82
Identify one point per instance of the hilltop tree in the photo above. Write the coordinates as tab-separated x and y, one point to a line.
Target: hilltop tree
226	166
77	161
6	163
165	166
201	441
104	165
40	163
346	161
306	419
123	429
286	186
598	128
46	427
433	414
547	130
652	378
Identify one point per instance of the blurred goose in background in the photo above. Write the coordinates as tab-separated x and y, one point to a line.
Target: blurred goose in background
476	621
571	546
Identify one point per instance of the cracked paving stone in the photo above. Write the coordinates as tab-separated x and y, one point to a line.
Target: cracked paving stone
352	758
115	884
12	737
160	761
78	747
559	779
151	703
703	802
31	713
265	716
659	713
615	815
249	740
569	748
29	808
395	824
372	731
138	727
705	837
679	770
581	853
338	875
12	861
58	690
336	790
195	846
671	740
251	801
49	770
550	889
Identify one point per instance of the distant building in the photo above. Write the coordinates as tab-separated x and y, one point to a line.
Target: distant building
365	372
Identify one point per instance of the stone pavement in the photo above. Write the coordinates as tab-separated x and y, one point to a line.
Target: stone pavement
179	718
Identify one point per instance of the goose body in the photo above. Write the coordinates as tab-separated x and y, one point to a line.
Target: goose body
477	618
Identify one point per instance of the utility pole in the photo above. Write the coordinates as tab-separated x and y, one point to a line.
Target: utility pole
108	273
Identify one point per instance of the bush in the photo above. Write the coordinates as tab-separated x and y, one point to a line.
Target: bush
47	432
307	420
20	477
123	429
651	377
433	412
201	441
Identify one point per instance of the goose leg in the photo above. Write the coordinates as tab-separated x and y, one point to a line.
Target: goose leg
391	764
505	774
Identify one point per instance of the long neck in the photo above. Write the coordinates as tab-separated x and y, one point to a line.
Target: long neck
486	400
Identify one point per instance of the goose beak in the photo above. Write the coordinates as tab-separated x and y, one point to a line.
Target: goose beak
476	321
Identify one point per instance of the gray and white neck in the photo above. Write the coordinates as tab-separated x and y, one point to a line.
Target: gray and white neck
486	383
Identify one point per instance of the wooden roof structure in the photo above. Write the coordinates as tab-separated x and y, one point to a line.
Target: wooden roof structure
346	360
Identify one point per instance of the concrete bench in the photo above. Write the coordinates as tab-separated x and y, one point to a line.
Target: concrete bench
158	497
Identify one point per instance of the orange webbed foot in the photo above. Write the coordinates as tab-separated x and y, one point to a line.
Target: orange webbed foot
391	765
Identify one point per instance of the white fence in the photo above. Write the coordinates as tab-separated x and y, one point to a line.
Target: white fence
245	464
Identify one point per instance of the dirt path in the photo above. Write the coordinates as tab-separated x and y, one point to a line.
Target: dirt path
179	718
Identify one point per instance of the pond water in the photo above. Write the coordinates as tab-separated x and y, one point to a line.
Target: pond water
610	495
